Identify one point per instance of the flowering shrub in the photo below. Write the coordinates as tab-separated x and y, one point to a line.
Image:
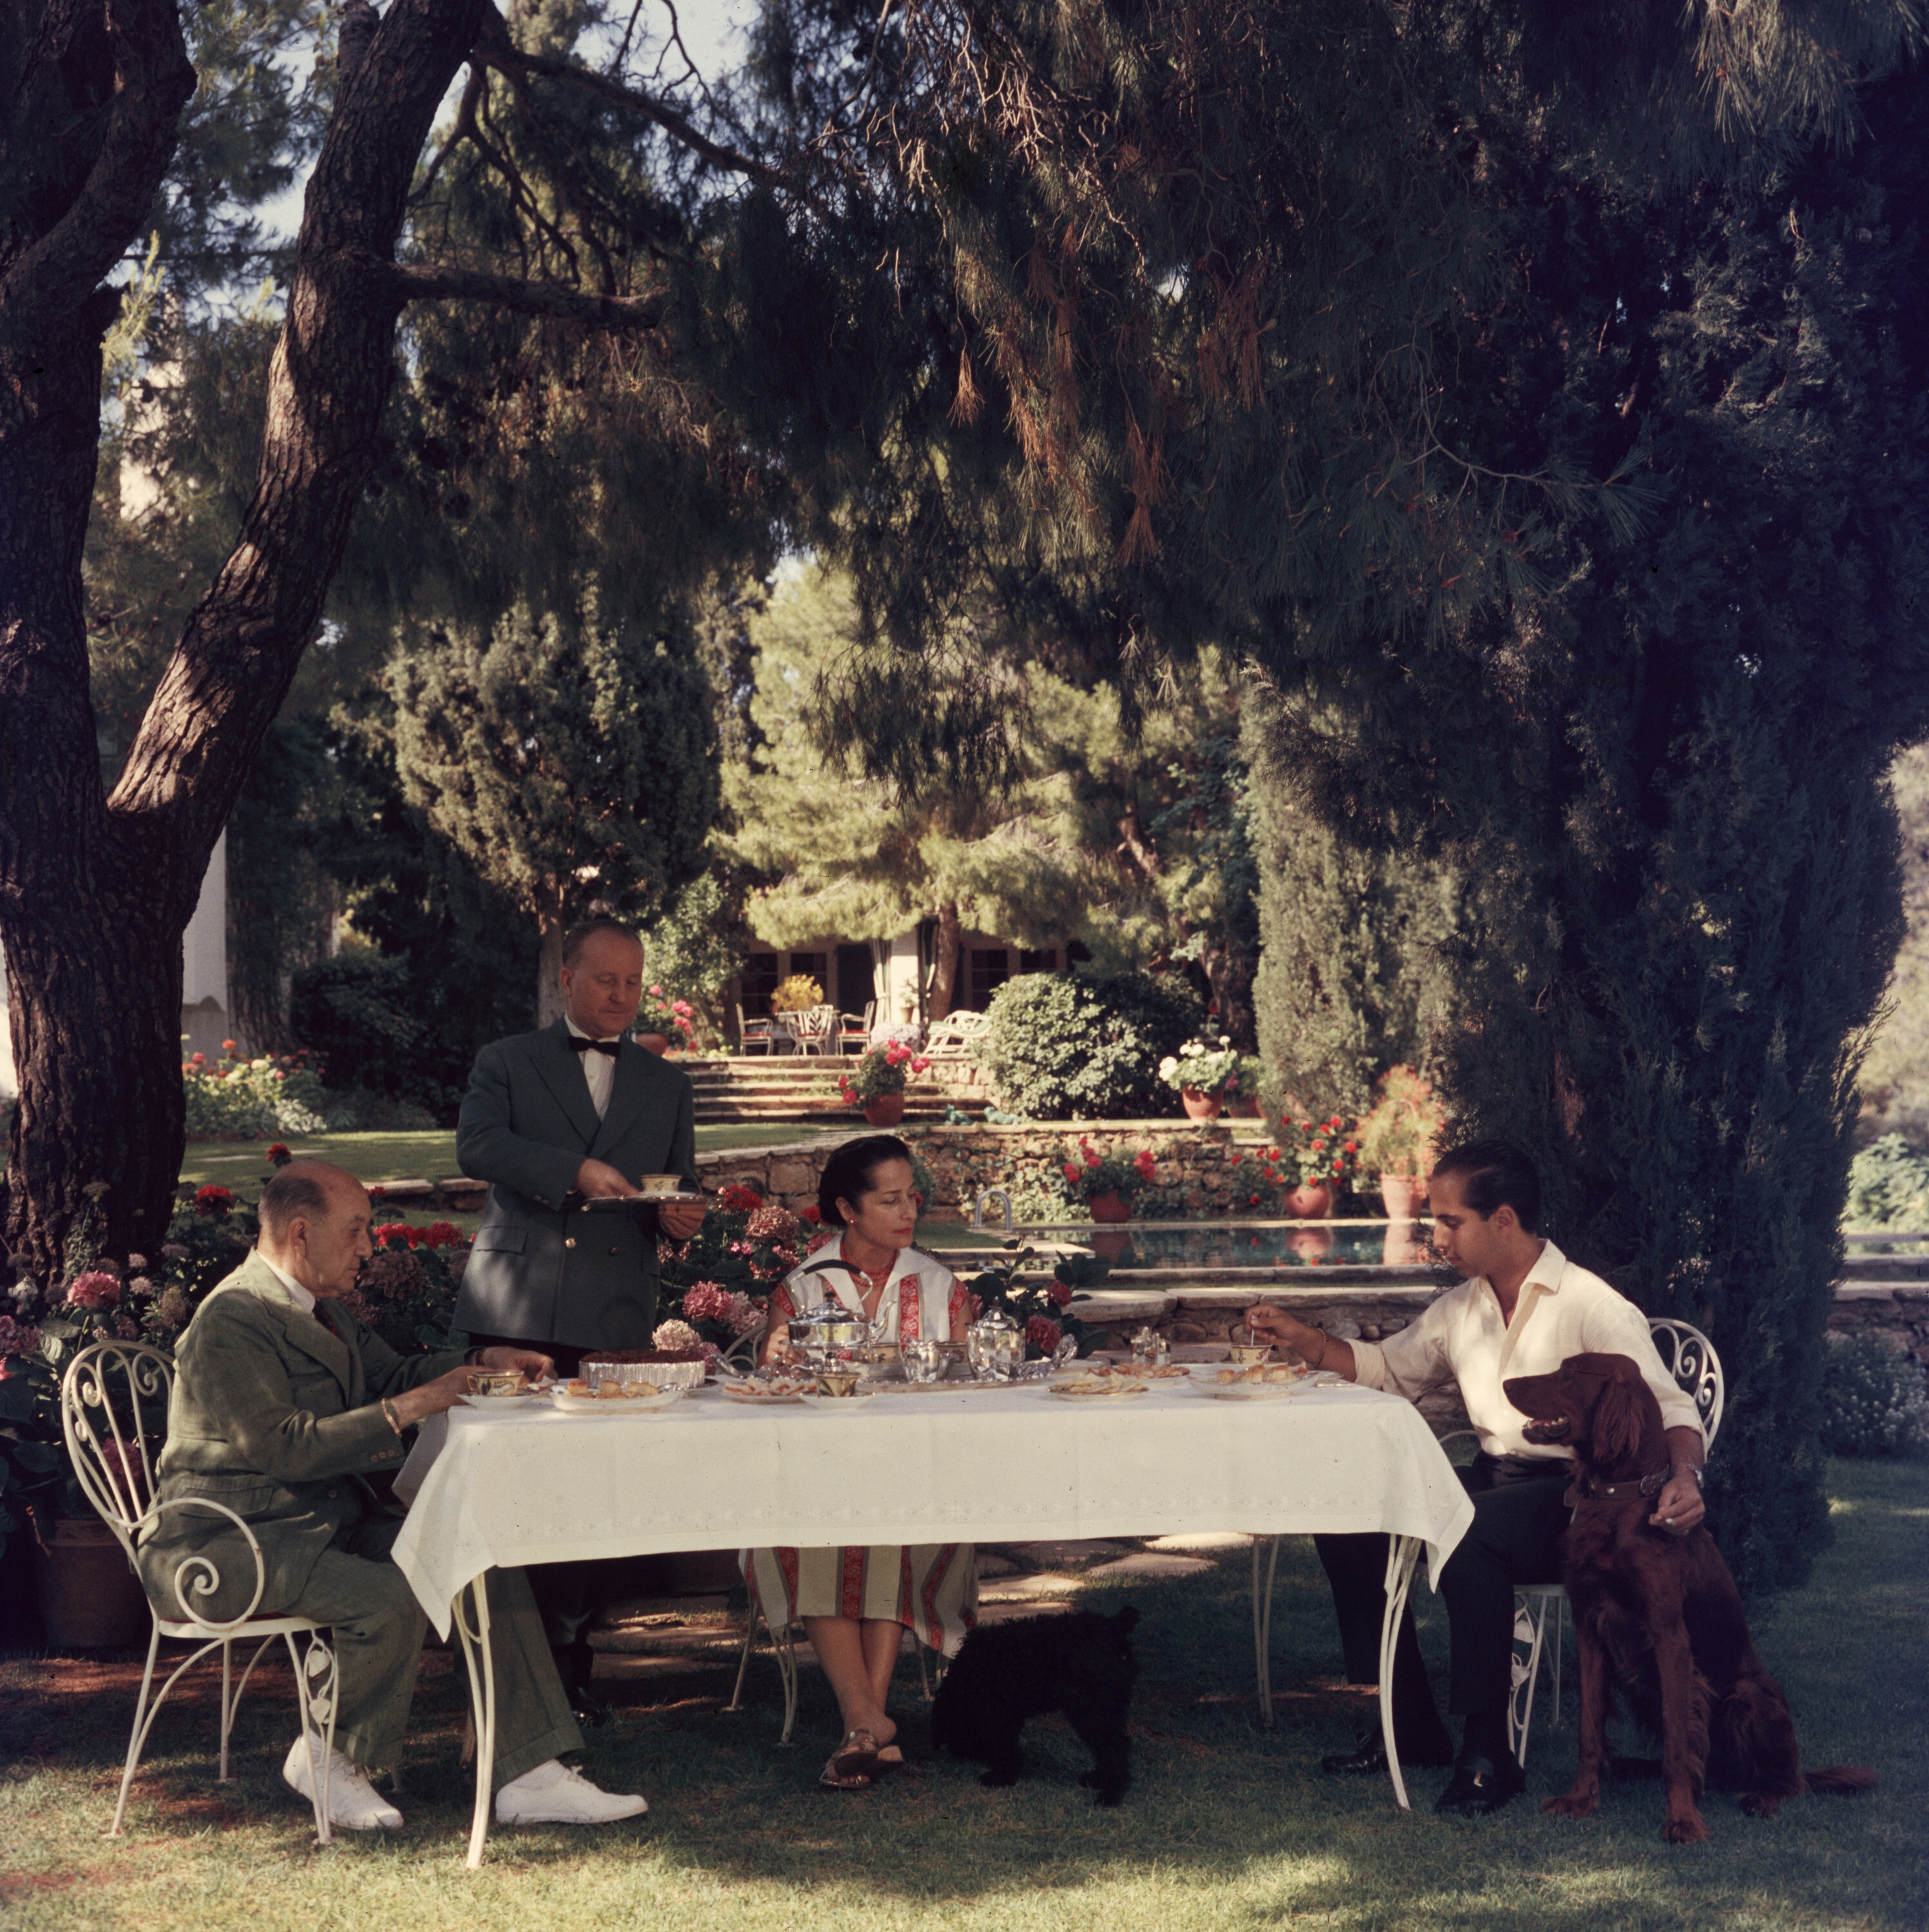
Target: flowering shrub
1259	1182
719	1280
1203	1068
1402	1135
213	1201
96	1288
1874	1401
1094	1173
881	1070
272	1093
1076	1045
675	1336
405	1234
278	1155
1318	1152
797	995
675	1019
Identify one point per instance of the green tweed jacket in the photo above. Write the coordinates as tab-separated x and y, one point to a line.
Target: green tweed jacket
279	1419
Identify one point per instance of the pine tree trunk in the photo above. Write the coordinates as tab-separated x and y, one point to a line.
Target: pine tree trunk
551	924
95	894
944	963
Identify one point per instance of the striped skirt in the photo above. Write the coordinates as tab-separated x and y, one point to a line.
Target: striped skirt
931	1588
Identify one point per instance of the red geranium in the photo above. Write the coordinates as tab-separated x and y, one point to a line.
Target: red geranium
1059	1294
742	1201
1042	1333
278	1153
213	1201
813	1214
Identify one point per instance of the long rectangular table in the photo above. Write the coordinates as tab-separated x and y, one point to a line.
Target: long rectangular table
1007	1465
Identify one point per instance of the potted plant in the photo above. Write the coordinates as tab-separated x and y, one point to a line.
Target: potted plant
1104	1184
1242	1100
1323	1157
876	1083
1399	1139
1202	1074
661	1020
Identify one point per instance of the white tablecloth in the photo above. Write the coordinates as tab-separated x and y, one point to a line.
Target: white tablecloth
1005	1466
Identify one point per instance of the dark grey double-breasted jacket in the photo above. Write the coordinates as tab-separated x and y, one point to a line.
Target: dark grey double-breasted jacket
539	1271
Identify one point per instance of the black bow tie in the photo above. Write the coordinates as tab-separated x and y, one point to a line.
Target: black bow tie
579	1044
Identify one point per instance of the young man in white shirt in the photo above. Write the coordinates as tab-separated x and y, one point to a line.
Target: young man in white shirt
1522	1309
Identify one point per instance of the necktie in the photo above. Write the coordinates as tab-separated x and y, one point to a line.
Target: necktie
578	1045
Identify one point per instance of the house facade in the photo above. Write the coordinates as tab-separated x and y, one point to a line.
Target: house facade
897	974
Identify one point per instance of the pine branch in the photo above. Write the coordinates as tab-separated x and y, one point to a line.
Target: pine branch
494	47
414	282
45	286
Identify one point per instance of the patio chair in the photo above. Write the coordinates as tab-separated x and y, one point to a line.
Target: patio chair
113	1402
853	1029
814	1030
1691	1359
784	1648
753	1033
953	1037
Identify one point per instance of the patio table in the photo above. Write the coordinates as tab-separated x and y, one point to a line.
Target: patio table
536	1485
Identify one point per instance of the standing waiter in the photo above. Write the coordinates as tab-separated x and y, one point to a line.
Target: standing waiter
573	1113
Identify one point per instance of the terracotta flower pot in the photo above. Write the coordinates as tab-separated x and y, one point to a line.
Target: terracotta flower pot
90	1599
886	1110
1246	1107
1199	1106
1111	1248
1311	1201
1401	1194
1109	1207
1310	1244
653	1042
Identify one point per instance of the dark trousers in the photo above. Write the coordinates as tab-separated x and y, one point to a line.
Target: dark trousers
1520	1512
568	1595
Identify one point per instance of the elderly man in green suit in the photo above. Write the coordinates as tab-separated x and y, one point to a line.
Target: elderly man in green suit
553	1119
283	1405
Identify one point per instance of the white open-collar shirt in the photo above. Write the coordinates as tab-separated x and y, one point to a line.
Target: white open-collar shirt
1563	1310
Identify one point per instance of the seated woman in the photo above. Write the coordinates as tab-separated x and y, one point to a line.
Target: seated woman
854	1603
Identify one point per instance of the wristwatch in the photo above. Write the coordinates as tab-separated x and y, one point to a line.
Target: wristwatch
1689	1469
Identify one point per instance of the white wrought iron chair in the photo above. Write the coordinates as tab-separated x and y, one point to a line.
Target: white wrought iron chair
755	1033
1689	1357
853	1029
113	1404
815	1029
784	1648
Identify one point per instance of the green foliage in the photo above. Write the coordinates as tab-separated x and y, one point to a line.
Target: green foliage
271	1094
1204	1066
1076	1045
1894	1076
694	948
1873	1401
352	1013
569	761
1888	1186
1401	1135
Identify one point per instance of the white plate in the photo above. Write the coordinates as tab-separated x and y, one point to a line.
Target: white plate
627	1404
759	1398
1120	1391
1250	1391
522	1398
857	1401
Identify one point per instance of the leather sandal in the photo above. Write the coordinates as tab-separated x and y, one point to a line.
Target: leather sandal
853	1766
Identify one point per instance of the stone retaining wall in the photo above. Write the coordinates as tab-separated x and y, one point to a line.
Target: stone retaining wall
1197	1160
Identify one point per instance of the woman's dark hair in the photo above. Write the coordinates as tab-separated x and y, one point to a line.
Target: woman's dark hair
847	1173
1493	1173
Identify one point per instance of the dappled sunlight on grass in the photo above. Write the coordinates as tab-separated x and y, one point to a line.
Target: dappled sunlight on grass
1226	1826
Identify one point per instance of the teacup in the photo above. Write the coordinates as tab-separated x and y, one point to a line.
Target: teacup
1248	1354
660	1183
495	1382
923	1360
838	1381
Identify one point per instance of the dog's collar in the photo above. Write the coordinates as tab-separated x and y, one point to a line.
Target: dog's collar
1584	1489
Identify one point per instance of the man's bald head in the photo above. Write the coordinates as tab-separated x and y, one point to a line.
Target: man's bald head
313	1190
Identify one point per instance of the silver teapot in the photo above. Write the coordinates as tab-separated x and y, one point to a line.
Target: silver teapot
995	1346
828	1333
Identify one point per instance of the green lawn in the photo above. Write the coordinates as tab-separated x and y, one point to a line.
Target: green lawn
1225	1826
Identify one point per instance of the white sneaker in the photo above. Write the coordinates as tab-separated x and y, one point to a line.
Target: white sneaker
553	1794
354	1803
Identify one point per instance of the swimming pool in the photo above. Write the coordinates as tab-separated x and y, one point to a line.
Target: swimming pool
1239	1244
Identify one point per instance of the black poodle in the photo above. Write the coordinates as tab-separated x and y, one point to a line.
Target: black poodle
1082	1664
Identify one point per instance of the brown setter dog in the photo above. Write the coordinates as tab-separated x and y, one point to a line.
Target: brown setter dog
1660	1609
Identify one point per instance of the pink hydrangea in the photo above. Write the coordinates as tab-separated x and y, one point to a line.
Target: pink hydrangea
772	1224
745	1317
17	1338
706	1301
96	1288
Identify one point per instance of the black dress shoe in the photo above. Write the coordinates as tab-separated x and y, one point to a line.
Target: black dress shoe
1368	1758
586	1708
1479	1786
